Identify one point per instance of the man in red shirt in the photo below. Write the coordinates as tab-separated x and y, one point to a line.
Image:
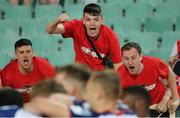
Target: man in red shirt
147	71
102	37
26	70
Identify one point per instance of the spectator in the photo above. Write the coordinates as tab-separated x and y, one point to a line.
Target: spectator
138	99
90	27
10	102
43	89
146	71
19	2
26	70
73	78
102	102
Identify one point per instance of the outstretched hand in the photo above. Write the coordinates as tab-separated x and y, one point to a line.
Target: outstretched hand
63	17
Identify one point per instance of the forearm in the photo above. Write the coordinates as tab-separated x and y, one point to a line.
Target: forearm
172	84
51	28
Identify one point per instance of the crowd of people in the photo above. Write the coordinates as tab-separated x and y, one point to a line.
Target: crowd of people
137	86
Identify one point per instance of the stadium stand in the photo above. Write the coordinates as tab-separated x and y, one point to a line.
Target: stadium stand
154	22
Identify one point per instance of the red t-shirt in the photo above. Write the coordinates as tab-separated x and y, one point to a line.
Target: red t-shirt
107	43
154	69
12	77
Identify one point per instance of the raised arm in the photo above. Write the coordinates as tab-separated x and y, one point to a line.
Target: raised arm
56	26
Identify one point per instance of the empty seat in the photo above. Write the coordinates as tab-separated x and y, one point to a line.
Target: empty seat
167	10
74	10
127	24
147	40
17	12
48	10
138	10
111	10
168	40
178	23
29	27
158	24
9	26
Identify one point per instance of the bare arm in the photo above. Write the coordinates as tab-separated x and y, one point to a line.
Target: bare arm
56	27
173	87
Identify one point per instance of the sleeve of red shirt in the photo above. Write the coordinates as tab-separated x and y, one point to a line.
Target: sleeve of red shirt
163	68
5	77
46	68
69	27
115	50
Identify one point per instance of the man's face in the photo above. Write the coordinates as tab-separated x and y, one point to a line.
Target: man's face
92	24
24	56
132	60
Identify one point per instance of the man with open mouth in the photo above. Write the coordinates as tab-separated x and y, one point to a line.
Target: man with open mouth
146	71
26	70
90	27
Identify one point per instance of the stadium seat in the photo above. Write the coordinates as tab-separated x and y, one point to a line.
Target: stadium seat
74	10
138	10
178	23
9	26
158	24
169	38
65	55
147	40
127	24
47	11
17	12
44	42
29	27
167	10
111	10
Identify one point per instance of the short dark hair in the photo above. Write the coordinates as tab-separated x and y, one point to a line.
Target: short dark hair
93	9
130	45
22	42
9	96
78	72
140	93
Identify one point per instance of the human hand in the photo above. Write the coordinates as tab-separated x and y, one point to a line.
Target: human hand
63	18
162	105
173	104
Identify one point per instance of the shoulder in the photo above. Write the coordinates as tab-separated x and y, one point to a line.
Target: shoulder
152	60
107	29
37	59
10	66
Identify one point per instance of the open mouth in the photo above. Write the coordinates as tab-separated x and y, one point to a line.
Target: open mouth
92	30
131	67
26	61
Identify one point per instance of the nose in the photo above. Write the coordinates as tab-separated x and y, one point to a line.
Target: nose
130	62
92	23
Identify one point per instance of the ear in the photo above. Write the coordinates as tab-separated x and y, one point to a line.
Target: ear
141	57
33	53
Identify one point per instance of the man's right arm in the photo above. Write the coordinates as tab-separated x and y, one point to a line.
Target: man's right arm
56	26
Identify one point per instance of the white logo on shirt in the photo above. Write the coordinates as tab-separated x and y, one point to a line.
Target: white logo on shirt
91	52
150	87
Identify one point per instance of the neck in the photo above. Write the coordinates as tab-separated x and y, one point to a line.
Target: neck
25	71
140	69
